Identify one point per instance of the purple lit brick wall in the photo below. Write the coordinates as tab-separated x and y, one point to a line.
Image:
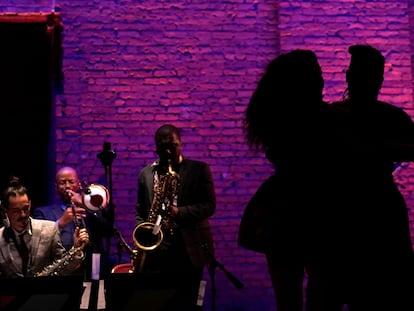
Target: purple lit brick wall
130	66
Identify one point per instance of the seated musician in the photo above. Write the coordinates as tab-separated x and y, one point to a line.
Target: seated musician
32	247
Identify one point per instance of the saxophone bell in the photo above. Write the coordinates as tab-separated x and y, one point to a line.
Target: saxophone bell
147	236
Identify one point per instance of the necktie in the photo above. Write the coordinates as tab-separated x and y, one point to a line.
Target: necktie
24	253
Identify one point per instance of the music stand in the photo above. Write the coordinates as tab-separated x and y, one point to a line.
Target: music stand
46	293
144	291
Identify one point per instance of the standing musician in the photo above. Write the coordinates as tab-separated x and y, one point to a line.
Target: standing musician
28	245
187	243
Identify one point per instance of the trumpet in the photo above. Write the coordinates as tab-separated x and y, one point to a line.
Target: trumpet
94	198
79	221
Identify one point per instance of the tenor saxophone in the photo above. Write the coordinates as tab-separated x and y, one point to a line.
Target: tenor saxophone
63	265
66	263
148	235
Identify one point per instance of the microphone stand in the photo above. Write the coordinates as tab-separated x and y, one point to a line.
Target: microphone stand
213	264
122	245
106	156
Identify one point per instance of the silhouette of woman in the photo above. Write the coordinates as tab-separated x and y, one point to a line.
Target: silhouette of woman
302	137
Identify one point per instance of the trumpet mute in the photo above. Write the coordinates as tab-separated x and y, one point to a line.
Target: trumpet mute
95	197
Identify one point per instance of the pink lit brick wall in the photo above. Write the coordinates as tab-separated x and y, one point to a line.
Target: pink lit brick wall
130	66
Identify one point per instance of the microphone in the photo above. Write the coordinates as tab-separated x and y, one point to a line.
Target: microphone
107	155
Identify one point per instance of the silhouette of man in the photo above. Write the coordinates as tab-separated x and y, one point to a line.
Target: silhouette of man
377	265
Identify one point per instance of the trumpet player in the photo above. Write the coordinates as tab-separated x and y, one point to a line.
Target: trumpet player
187	243
68	210
28	245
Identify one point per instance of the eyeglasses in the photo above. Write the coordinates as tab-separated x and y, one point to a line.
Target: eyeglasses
17	211
63	182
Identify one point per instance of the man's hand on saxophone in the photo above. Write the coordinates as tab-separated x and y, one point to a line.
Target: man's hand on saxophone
173	210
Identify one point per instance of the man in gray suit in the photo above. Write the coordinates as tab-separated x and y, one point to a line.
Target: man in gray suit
27	245
179	192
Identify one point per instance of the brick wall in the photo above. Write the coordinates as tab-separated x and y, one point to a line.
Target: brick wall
130	66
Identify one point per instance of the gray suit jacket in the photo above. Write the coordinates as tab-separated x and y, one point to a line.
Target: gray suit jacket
45	247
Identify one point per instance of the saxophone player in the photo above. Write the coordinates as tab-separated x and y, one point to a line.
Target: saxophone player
187	243
27	245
